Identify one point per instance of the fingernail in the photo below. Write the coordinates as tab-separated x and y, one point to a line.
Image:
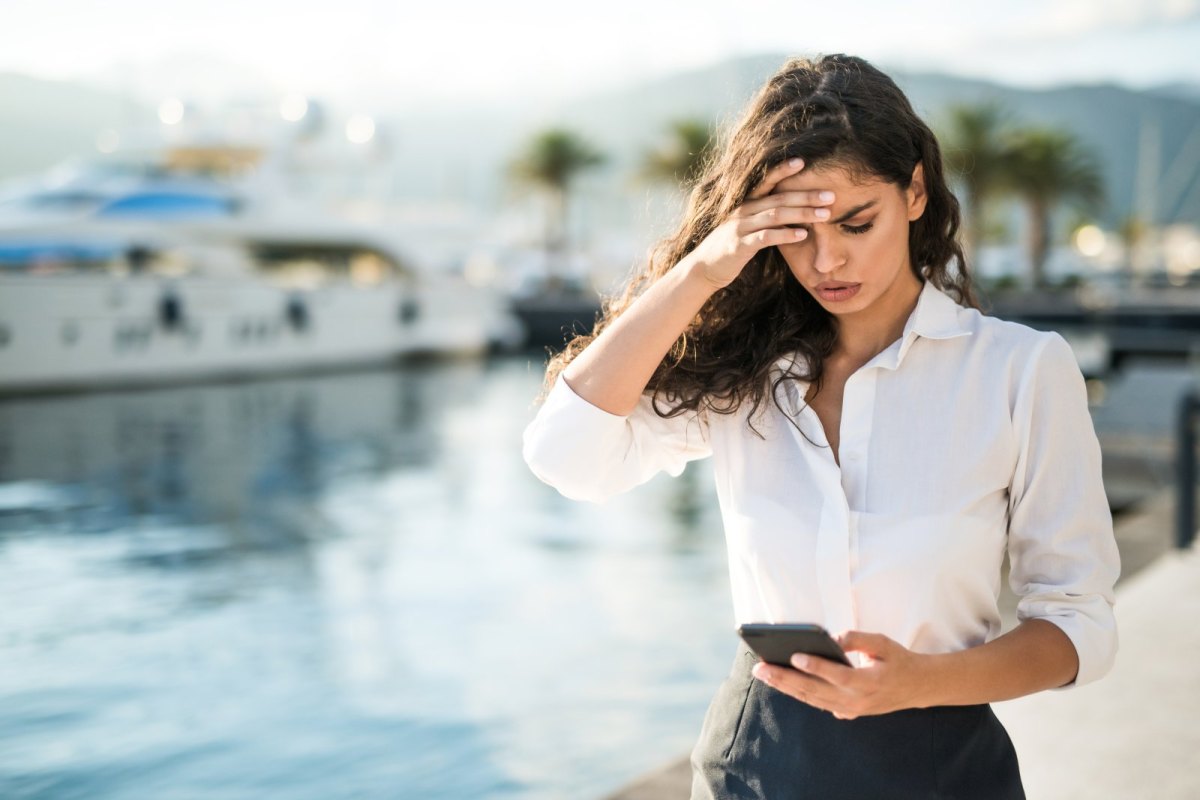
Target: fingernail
795	162
799	661
822	212
826	196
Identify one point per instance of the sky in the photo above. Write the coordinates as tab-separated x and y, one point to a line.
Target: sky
378	51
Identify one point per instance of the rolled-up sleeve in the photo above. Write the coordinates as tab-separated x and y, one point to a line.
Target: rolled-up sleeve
587	453
1063	558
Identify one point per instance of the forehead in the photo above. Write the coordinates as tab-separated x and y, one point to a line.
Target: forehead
836	179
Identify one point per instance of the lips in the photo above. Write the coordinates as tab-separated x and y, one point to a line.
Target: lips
833	291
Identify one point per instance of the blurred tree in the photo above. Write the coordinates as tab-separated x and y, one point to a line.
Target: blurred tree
682	156
976	152
1134	233
552	158
1131	230
1047	167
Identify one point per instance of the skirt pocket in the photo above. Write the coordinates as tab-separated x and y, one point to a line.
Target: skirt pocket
726	711
744	687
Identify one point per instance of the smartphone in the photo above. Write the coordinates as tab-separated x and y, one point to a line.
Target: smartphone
776	642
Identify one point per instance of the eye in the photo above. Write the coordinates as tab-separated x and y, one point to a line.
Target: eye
851	229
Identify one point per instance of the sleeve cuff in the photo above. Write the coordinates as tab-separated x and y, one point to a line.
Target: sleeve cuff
569	440
1089	624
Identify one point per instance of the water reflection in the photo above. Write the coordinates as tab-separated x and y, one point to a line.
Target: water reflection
346	585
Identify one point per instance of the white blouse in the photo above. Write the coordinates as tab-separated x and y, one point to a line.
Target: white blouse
968	435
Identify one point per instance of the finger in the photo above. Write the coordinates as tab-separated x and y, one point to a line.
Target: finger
766	237
775	175
786	215
803	687
871	643
796	198
823	668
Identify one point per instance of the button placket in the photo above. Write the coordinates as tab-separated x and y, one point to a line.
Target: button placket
858	413
831	547
833	559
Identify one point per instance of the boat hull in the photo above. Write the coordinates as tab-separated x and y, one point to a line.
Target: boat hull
78	331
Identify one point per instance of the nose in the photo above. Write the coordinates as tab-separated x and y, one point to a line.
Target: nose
828	254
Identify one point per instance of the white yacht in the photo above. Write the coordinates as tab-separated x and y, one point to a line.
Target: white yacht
155	268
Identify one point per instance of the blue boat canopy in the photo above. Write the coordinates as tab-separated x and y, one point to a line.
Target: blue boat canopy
175	204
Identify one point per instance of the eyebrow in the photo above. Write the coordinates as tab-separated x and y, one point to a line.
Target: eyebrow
853	211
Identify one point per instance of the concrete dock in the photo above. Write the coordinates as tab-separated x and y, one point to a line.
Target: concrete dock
1135	732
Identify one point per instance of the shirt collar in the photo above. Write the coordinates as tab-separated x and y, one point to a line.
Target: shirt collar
936	316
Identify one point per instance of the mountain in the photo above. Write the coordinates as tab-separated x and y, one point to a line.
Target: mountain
460	155
1178	91
43	122
1110	119
1107	117
625	121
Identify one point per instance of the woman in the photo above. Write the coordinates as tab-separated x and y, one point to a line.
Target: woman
910	441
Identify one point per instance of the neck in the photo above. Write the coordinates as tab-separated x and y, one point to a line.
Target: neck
864	334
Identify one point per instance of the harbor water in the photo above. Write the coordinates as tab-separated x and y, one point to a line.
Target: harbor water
350	586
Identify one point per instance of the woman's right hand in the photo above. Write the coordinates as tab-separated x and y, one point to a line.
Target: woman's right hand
761	221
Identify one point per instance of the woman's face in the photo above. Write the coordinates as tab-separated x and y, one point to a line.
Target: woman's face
864	241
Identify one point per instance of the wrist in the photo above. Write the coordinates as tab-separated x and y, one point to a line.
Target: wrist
696	273
931	680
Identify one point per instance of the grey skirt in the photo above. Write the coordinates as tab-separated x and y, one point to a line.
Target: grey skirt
757	742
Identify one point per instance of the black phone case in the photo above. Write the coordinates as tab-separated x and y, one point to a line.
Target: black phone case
776	642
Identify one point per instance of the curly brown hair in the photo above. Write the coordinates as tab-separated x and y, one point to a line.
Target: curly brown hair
835	111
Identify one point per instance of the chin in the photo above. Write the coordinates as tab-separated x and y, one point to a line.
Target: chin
854	304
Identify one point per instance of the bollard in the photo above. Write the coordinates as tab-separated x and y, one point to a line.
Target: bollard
1185	472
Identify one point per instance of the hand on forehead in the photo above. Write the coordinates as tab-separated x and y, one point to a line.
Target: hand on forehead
836	179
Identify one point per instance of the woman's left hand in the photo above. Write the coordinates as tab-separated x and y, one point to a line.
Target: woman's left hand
892	677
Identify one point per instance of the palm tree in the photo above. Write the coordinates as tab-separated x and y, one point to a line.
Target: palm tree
974	148
681	158
552	158
1133	232
1047	167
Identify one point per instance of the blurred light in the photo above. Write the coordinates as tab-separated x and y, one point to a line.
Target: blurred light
367	268
293	107
170	111
480	269
107	140
1090	240
1181	251
360	128
1190	256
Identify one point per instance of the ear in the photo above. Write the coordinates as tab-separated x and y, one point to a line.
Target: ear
915	194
